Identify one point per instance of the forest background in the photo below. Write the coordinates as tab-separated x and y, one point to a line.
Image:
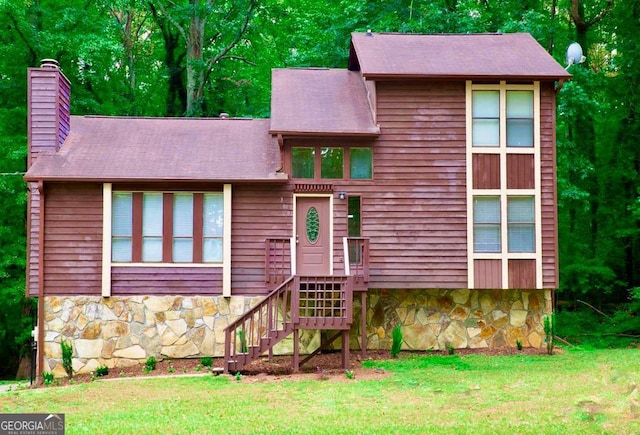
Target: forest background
204	57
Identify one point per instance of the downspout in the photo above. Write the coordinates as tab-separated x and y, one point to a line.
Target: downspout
40	365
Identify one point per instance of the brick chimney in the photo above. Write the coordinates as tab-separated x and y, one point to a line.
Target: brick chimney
47	108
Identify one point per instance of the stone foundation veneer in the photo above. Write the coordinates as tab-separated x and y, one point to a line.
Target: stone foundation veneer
433	319
125	331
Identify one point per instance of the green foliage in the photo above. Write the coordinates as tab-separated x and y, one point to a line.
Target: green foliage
518	344
350	374
550	332
450	349
102	370
396	343
171	369
243	341
67	357
150	364
206	361
47	378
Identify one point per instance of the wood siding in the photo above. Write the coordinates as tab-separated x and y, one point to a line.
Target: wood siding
548	186
522	274
487	274
520	171
415	211
486	171
258	213
33	242
143	280
73	239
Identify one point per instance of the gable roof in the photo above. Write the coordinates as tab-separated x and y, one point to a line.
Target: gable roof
515	56
162	149
319	100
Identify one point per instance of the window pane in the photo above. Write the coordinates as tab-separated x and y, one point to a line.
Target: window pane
152	249
182	250
152	227
486	132
121	227
521	238
354	216
519	104
302	162
361	163
152	214
182	215
122	214
486	209
520	132
213	210
212	250
486	104
486	238
331	163
121	249
520	209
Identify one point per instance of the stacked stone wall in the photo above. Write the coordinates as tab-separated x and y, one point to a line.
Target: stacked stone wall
125	331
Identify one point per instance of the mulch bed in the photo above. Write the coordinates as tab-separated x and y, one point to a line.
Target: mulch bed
326	365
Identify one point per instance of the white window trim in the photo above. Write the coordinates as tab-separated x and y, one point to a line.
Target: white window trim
107	264
503	192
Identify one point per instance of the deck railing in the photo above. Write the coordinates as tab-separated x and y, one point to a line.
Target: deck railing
356	259
323	302
277	261
259	328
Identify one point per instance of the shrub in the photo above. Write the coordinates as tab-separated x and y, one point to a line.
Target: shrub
47	378
150	364
519	344
102	370
396	343
450	349
67	357
206	361
550	332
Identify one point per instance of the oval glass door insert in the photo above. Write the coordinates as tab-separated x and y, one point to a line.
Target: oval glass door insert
313	225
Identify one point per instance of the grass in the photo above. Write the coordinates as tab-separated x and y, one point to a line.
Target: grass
575	392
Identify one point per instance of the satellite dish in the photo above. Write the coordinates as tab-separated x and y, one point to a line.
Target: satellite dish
574	54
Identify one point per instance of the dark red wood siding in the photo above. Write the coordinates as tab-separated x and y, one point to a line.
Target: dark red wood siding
415	212
486	171
522	274
520	171
141	280
258	213
487	274
33	243
73	239
548	186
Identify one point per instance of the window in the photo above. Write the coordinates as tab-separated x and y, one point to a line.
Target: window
486	224
520	224
486	118
353	224
519	118
361	163
156	227
332	162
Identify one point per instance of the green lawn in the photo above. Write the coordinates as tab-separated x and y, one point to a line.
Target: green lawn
575	392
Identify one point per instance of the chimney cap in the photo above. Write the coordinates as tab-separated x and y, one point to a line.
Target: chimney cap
49	63
224	115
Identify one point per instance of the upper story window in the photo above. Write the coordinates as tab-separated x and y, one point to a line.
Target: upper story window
157	227
489	118
332	162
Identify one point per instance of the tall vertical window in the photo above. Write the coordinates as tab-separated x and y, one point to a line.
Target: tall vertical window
519	118
486	118
303	160
182	248
213	227
122	227
521	224
152	227
486	224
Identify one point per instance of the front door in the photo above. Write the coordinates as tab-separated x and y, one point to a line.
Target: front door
313	235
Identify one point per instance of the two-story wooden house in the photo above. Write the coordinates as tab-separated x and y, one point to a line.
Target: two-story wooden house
415	188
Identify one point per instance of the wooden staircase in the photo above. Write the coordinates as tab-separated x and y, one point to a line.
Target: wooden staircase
300	302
